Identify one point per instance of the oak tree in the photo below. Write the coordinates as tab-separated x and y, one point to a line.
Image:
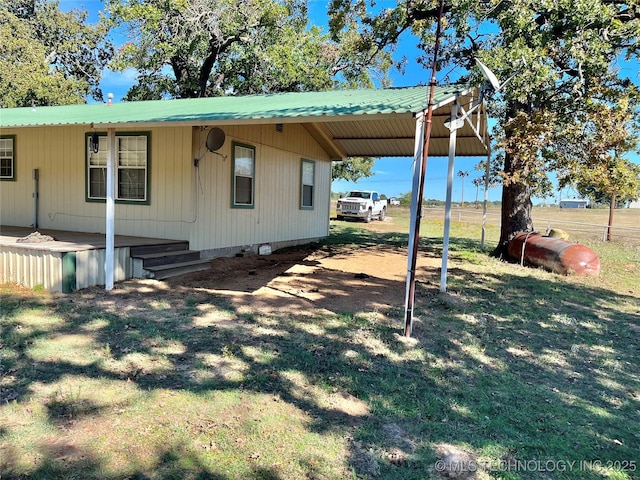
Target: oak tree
554	53
201	48
49	56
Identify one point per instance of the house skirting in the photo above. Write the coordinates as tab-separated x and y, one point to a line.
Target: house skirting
255	248
60	271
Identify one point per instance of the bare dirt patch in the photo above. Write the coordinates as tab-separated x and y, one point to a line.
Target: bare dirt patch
331	279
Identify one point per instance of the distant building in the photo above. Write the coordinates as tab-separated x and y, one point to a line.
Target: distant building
574	203
634	203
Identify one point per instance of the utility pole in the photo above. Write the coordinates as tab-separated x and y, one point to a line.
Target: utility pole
411	276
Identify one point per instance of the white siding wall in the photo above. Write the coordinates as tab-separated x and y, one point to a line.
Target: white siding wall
187	203
277	215
59	154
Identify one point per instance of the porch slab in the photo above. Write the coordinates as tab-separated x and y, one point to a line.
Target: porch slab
72	261
66	241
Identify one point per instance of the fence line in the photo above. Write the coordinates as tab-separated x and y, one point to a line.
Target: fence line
592	231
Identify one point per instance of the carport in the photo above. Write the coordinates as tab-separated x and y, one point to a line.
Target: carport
458	128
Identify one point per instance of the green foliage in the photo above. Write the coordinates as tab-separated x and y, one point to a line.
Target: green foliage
597	168
352	169
405	199
48	57
554	53
198	48
618	178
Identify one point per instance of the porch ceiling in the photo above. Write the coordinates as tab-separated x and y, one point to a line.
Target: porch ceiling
395	136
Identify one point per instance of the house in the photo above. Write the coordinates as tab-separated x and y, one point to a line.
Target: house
214	176
574	203
634	203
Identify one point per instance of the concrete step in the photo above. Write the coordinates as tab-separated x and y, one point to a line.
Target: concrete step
164	258
158	248
160	272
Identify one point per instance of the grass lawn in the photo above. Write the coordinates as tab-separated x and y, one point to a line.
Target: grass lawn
514	373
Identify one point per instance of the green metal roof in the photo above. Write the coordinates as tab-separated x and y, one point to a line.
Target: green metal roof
258	108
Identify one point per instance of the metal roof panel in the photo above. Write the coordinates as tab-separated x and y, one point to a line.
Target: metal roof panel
402	100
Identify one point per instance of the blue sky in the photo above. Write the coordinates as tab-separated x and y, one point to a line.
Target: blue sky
392	176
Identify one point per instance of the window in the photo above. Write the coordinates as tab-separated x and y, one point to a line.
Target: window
307	184
244	168
132	168
7	157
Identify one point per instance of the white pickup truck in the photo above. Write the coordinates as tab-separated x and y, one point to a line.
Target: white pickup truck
362	204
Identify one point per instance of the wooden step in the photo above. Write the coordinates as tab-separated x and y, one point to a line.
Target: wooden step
164	258
158	248
160	272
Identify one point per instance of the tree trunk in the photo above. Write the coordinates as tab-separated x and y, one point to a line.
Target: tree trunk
516	209
612	207
516	196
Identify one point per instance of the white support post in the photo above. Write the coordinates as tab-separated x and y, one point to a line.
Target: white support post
415	209
487	176
110	210
447	211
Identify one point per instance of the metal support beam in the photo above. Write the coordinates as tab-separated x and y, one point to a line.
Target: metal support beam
447	211
415	212
110	210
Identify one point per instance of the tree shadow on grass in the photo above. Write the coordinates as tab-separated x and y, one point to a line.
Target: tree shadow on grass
504	367
63	460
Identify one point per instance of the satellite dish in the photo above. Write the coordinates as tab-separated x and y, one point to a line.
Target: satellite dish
215	139
489	76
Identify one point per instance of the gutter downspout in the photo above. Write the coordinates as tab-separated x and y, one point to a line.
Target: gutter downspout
36	196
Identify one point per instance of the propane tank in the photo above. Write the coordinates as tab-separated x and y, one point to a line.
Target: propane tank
554	254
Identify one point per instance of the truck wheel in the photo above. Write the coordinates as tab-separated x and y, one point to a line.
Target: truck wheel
382	214
368	217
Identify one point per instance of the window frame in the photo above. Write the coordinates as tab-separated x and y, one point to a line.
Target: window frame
304	161
234	203
12	177
147	169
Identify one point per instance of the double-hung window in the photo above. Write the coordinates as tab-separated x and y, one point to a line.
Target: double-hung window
7	157
244	172
132	168
307	184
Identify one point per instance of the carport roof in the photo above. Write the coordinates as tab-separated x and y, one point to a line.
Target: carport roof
366	122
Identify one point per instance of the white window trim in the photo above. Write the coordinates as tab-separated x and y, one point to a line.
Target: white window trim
12	138
103	148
